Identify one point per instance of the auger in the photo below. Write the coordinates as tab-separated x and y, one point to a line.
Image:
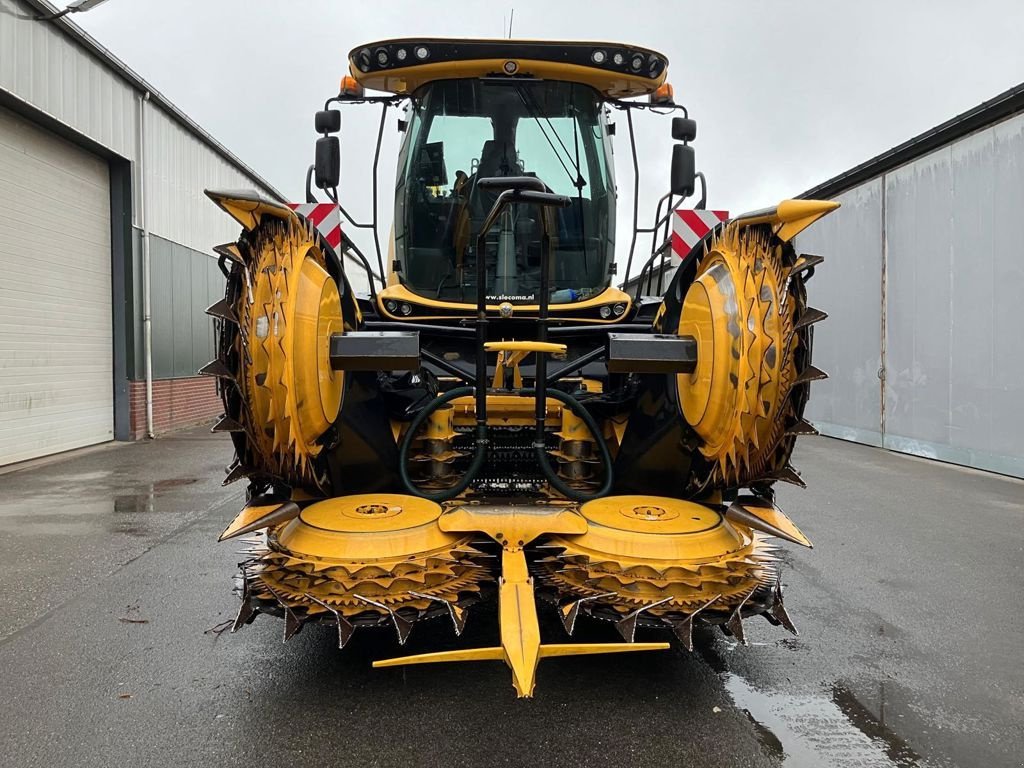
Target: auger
493	418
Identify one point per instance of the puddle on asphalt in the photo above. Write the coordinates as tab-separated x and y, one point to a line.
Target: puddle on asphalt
133	504
163	485
833	729
64	508
88	477
127	508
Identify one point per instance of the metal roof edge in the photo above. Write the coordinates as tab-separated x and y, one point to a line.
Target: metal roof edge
1005	105
127	73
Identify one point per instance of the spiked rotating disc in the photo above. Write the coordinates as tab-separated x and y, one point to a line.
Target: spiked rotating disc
656	560
288	311
282	305
366	559
746	310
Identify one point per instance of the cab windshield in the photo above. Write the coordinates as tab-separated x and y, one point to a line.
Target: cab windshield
461	131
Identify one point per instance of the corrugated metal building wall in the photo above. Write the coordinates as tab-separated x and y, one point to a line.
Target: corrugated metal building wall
923	283
48	67
60	82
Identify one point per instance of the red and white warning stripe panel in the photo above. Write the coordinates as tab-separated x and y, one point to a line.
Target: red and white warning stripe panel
325	217
689	227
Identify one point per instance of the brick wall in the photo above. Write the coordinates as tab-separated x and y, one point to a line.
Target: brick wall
176	403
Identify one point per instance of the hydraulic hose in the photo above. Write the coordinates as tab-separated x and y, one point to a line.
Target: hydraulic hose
403	450
542	457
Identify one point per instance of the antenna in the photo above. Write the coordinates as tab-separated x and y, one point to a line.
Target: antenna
511	19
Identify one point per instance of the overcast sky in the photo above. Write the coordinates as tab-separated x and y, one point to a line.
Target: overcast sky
787	93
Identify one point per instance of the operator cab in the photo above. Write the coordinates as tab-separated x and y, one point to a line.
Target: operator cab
464	130
502	109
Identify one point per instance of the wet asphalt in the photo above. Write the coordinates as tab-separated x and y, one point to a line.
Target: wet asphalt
909	654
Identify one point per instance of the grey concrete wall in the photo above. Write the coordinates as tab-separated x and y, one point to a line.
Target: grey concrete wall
849	344
942	234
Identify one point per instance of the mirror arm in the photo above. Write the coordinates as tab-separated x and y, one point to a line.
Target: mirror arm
345	100
658	109
310	197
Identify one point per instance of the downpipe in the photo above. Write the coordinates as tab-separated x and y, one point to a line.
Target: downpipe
147	304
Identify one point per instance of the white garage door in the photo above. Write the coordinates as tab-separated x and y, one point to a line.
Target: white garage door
56	390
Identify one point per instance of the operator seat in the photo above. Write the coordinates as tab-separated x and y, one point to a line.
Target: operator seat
497	158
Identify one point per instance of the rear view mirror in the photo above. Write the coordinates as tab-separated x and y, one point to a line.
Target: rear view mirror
327	164
684	129
684	170
328	121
